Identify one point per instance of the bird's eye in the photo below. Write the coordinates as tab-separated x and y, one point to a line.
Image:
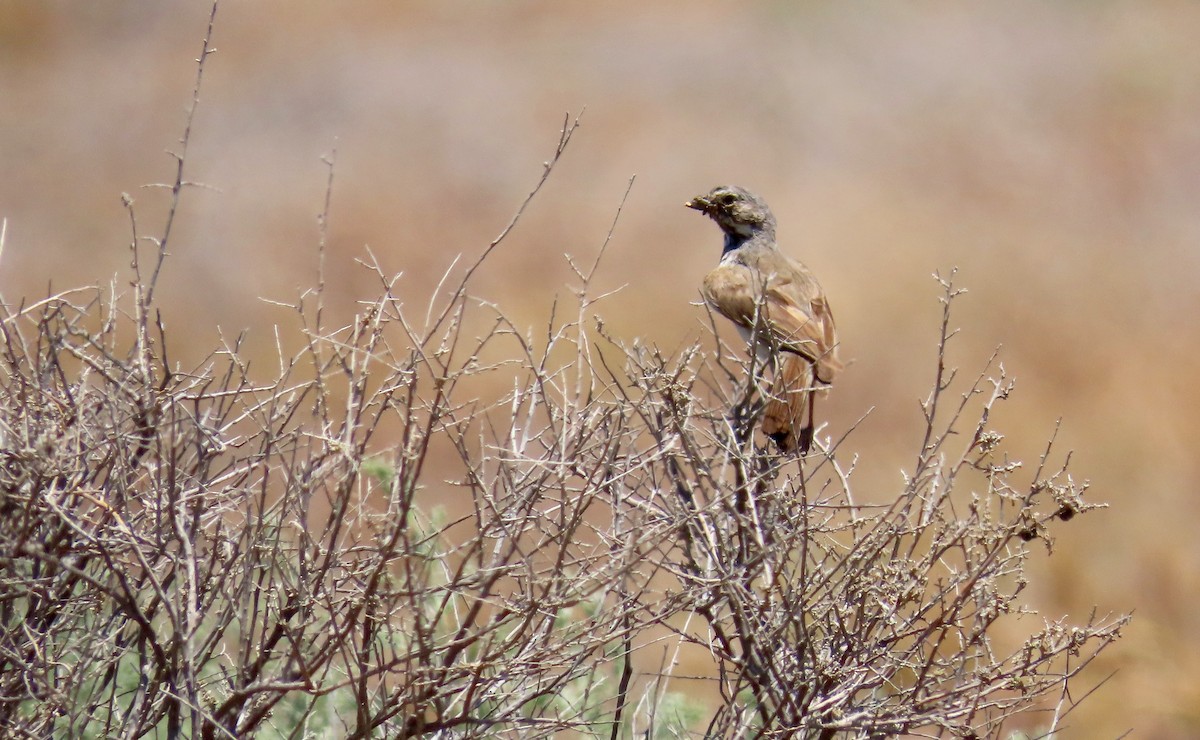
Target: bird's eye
727	199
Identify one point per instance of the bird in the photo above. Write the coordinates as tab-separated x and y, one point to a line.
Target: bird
777	303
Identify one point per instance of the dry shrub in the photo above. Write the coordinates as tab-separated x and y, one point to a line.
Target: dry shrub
206	553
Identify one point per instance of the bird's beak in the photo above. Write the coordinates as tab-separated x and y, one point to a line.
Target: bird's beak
700	203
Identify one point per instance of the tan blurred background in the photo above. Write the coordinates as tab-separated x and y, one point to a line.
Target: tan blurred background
1051	151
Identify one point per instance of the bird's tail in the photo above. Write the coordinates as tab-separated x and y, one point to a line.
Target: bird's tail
788	416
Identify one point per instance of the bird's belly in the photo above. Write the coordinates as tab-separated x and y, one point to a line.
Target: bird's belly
761	349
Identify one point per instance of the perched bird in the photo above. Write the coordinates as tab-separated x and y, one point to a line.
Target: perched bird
756	285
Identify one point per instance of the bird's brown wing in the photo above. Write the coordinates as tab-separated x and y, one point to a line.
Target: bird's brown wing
795	310
828	365
731	290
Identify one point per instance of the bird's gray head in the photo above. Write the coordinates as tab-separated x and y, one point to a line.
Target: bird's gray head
740	214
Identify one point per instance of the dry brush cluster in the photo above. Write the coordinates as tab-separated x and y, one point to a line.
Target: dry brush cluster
206	553
220	553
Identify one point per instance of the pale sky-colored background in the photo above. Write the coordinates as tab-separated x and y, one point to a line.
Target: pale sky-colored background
1050	151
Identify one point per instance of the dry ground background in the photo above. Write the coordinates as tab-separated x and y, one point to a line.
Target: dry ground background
1050	151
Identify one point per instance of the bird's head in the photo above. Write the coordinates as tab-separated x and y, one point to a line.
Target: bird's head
740	213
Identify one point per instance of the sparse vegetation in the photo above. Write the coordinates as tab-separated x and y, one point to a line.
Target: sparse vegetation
206	552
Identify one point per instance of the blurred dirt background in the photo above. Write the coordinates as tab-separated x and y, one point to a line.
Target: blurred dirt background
1050	151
